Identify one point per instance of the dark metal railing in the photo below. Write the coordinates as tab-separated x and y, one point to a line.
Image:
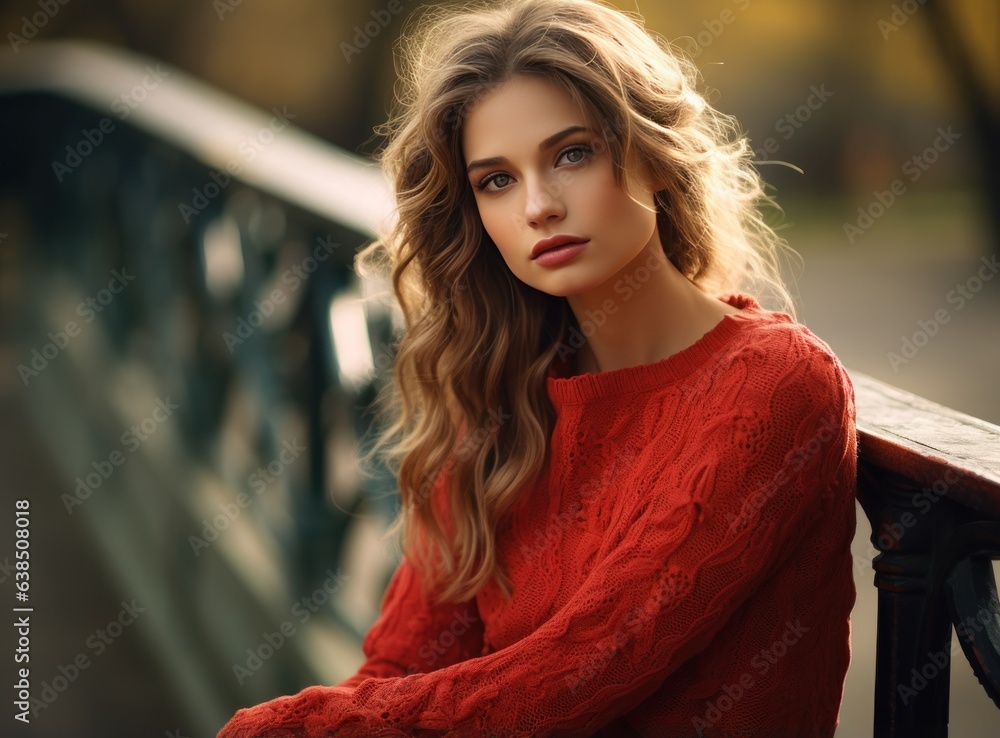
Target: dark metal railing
929	482
237	233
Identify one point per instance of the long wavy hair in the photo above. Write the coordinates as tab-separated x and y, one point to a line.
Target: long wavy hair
470	418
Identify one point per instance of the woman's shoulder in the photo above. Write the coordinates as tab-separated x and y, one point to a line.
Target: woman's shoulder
778	352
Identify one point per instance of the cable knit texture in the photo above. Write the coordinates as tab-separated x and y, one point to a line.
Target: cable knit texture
683	567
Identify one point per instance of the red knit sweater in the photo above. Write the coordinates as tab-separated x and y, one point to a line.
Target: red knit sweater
683	568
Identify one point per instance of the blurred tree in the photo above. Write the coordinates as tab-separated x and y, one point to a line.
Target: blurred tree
982	108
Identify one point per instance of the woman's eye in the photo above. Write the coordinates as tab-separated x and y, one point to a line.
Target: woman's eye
499	178
581	150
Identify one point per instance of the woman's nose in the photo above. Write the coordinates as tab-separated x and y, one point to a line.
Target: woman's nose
544	202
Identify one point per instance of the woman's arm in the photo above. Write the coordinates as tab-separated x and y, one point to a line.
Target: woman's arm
680	571
412	636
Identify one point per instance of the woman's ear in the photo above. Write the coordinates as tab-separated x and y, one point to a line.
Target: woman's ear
656	182
650	178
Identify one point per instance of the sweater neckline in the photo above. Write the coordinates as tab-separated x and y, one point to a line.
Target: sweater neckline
643	377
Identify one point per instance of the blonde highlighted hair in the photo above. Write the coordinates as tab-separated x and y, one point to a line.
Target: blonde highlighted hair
467	401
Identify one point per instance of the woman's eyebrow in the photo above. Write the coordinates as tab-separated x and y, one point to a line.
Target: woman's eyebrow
546	144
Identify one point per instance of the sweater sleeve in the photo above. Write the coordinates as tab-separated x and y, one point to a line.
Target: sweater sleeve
681	564
412	636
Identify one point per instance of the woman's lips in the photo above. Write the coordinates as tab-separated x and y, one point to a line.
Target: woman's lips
559	254
553	242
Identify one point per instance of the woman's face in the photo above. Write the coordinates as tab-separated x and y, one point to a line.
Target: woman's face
548	174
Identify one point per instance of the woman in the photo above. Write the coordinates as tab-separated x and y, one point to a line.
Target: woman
641	481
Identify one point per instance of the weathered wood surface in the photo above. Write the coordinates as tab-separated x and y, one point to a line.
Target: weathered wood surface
922	441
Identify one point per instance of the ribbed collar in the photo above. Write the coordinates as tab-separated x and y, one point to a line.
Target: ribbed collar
643	377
